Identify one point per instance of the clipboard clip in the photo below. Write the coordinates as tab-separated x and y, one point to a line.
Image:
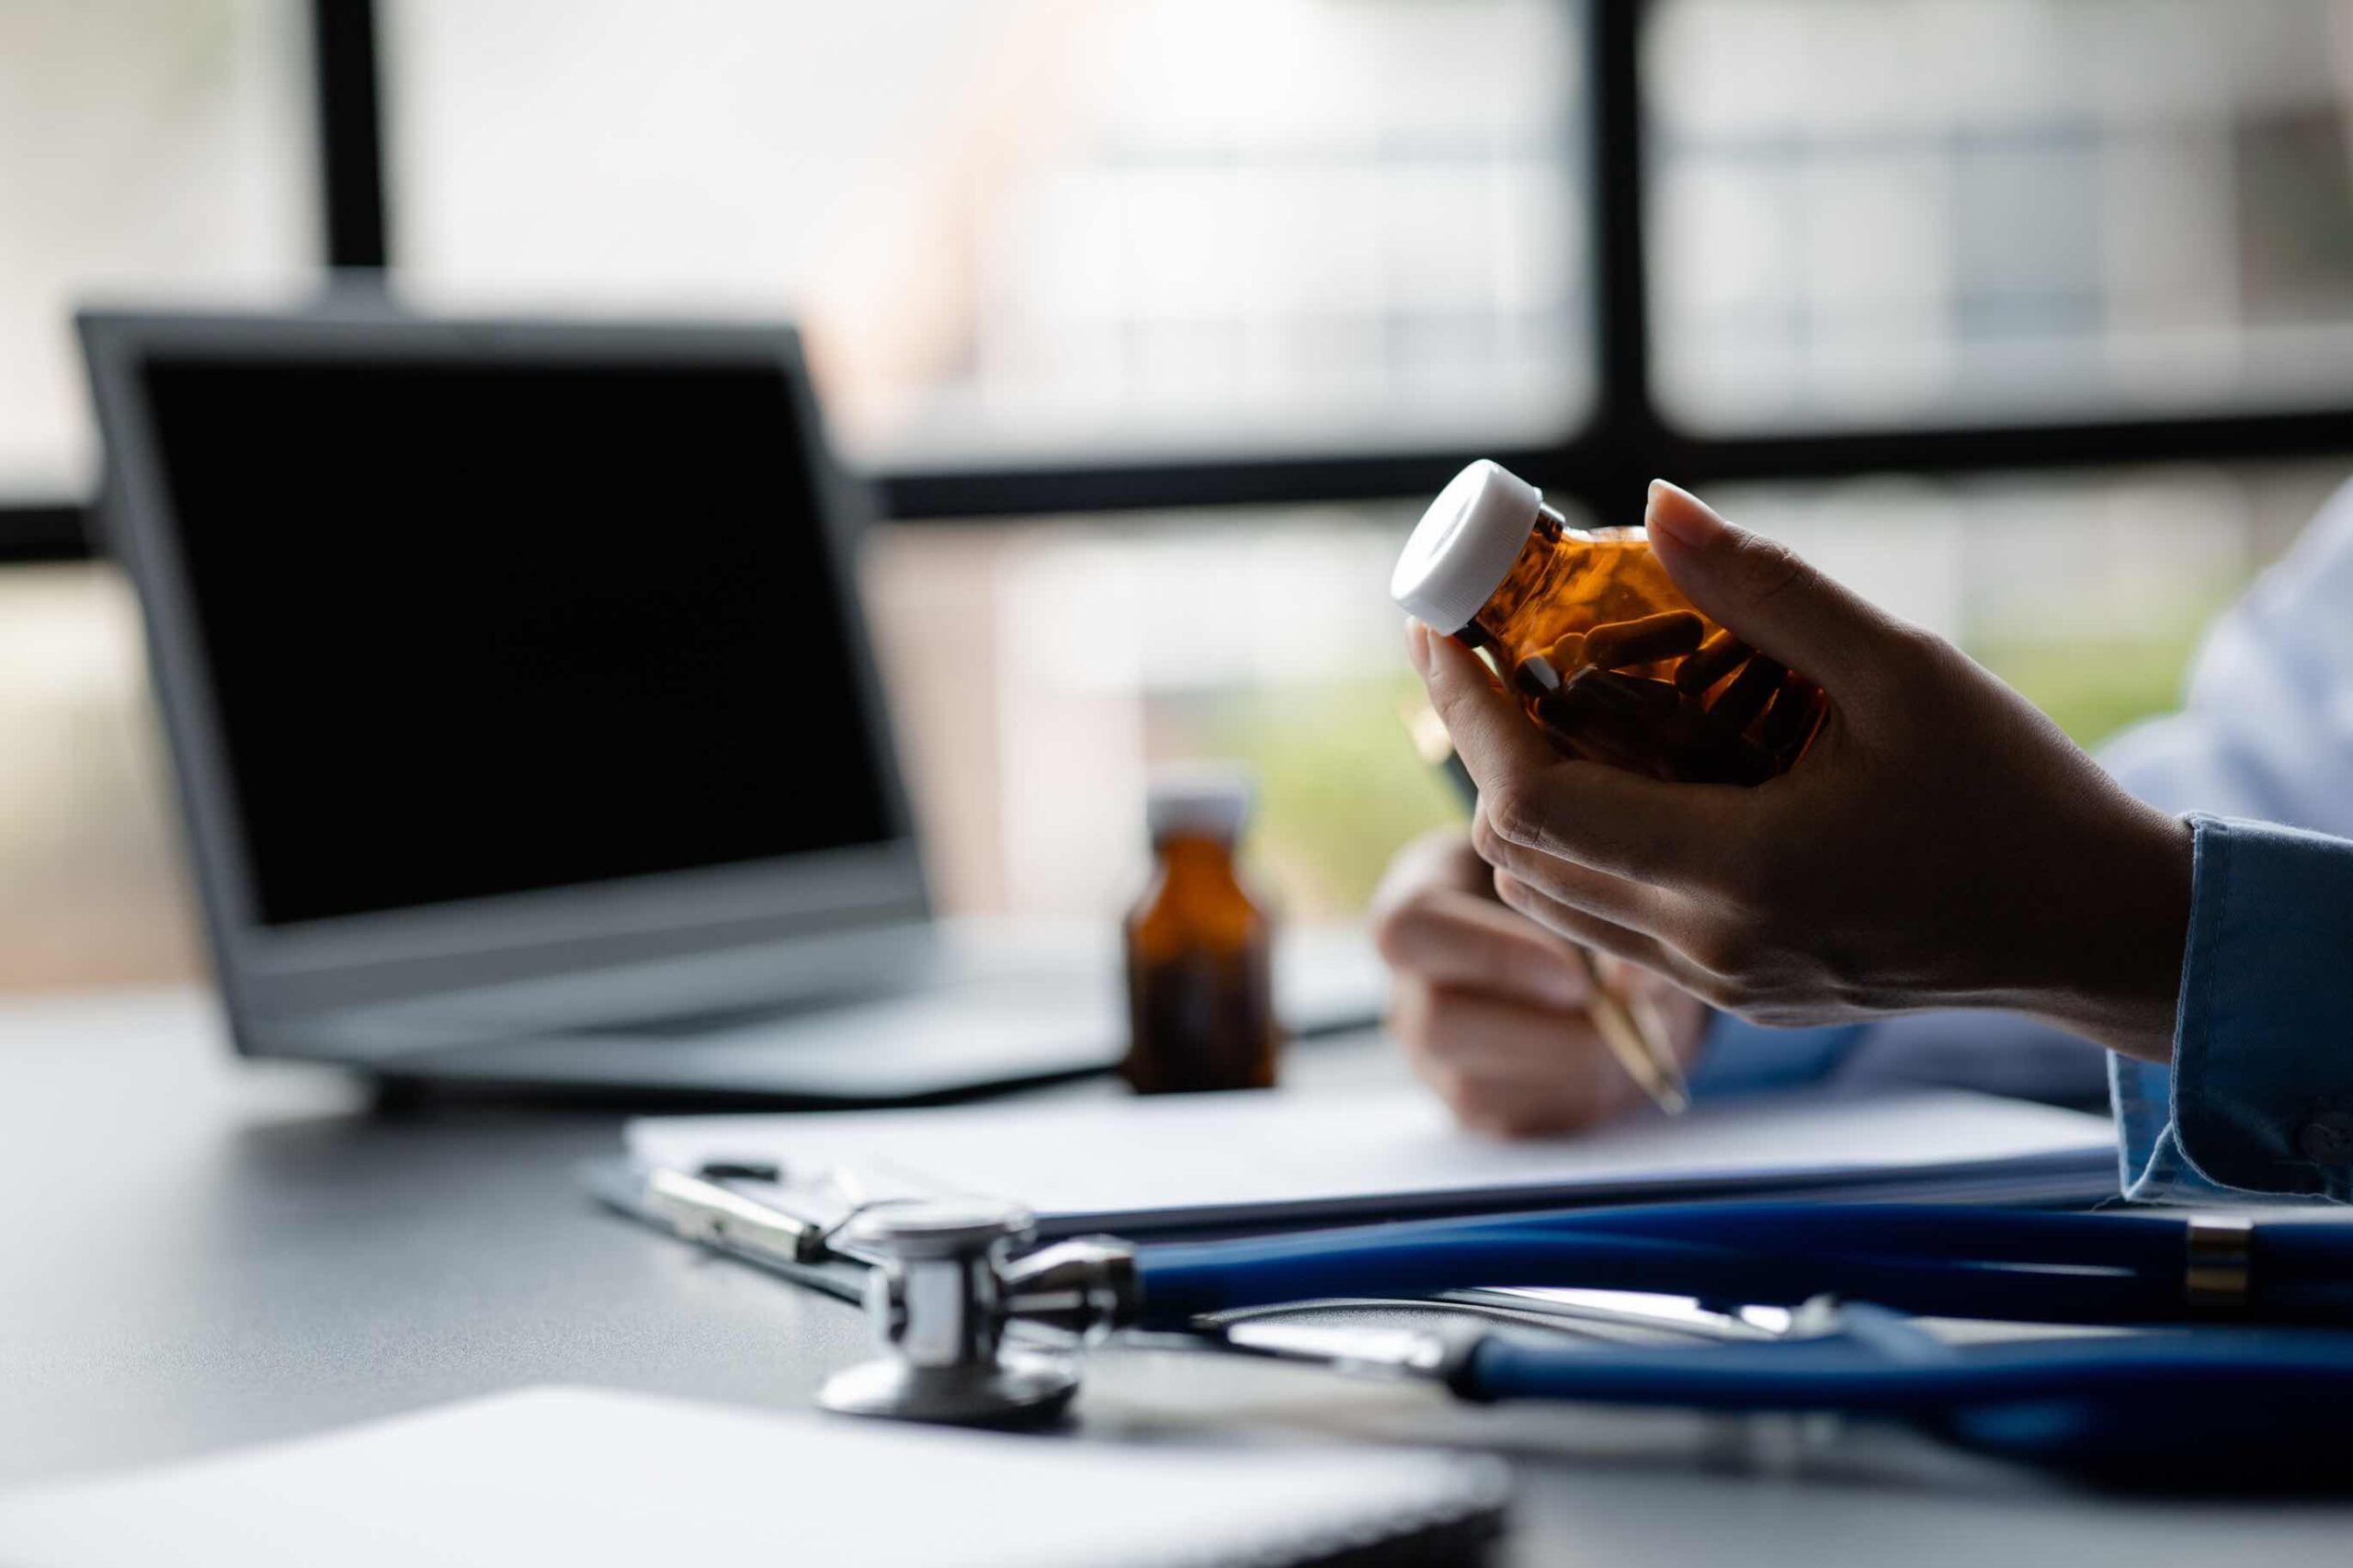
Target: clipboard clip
800	1222
701	1208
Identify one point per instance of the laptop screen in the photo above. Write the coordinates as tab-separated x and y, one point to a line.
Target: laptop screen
478	629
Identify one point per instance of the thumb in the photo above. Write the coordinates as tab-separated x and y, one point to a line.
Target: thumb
1759	590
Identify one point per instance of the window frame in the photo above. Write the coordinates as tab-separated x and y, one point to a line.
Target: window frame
1602	465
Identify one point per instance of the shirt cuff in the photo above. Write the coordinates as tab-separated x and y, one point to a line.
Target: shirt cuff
2262	1079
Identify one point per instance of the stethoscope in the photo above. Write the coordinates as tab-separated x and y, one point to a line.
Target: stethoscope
975	1325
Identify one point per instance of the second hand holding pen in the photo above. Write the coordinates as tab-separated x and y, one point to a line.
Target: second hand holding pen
1636	1038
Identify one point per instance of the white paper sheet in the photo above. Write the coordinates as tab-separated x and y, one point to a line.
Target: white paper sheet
1217	1158
589	1479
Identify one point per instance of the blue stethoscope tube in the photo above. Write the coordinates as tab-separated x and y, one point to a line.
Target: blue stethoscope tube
2198	1407
2192	1409
1833	1375
1933	1260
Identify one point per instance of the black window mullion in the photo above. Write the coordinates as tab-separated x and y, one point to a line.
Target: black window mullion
995	493
42	533
1989	449
1619	451
348	90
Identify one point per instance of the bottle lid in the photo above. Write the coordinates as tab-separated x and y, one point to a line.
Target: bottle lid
1208	800
1463	549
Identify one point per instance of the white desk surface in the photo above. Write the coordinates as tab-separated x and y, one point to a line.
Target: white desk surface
201	1252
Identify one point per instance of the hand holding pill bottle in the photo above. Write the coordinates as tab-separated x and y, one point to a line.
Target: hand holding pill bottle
1608	657
1944	845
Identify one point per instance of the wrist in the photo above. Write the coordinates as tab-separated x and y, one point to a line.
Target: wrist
2134	932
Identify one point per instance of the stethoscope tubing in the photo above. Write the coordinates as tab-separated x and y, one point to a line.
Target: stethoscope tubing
1933	1260
2240	1366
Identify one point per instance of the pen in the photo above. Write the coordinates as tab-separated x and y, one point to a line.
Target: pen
1634	1033
1643	1051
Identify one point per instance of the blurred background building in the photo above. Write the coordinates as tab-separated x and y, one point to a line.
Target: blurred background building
1026	236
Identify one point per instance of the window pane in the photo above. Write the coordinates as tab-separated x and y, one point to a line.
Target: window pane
1040	230
2088	592
1040	672
1886	212
147	148
90	893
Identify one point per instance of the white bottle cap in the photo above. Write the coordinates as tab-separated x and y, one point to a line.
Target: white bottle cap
1203	800
1463	549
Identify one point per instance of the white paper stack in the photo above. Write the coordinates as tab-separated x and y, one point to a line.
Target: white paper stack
1279	1158
600	1479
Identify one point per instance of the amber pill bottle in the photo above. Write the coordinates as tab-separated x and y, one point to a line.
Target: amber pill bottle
1199	949
1610	659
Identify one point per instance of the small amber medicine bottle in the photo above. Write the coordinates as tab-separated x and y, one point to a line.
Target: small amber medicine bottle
1201	985
1610	659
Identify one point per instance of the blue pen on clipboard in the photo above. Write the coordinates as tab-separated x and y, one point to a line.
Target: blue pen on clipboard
1632	1029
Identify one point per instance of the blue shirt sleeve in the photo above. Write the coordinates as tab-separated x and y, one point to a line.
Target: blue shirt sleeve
2259	1097
1994	1053
1740	1058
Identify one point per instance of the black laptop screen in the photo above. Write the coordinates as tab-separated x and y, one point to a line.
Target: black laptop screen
481	629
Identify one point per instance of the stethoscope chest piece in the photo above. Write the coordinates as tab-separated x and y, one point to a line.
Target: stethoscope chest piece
933	1298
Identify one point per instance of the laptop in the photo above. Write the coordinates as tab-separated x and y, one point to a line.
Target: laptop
525	728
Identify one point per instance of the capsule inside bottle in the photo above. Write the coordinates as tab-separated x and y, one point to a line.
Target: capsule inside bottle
1586	627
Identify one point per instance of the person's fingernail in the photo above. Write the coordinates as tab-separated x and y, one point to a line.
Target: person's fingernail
1679	515
1418	644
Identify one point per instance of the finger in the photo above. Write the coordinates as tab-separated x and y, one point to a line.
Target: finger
1614	898
1519	1111
1470	941
1761	592
1482	717
1637	948
1465	1031
1441	858
1598	816
1620	976
1476	1032
1409	1013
